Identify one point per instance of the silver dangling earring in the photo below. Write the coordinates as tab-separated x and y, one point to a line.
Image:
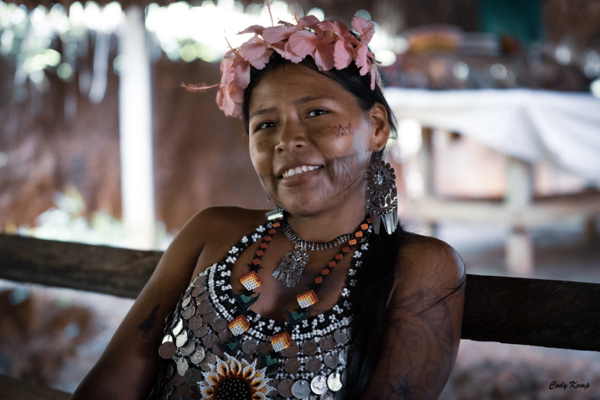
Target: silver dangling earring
382	195
268	199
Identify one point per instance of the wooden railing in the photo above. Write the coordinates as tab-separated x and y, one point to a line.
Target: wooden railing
533	312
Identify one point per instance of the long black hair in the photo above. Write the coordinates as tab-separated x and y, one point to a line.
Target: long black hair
375	278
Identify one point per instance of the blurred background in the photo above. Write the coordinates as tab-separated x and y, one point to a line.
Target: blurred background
497	152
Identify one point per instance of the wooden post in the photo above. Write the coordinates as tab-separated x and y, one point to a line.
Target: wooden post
519	196
426	166
135	124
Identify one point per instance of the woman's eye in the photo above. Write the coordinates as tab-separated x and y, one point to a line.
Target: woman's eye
264	125
316	113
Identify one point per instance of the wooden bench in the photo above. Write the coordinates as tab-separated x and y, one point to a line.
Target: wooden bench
523	311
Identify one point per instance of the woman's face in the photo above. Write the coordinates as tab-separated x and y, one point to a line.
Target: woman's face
310	141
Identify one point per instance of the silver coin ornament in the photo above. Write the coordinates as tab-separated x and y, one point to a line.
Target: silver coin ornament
178	327
334	381
197	291
181	339
301	389
198	355
182	365
201	332
188	348
189	312
219	325
341	336
313	364
309	348
285	388
202	297
192	376
249	347
319	384
331	360
292	365
167	350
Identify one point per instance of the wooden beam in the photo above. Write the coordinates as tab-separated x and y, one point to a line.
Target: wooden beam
509	310
15	389
102	269
534	312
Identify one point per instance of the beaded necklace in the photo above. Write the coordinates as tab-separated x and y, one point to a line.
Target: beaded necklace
251	281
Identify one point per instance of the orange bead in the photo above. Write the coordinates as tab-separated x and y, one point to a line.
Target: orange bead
325	271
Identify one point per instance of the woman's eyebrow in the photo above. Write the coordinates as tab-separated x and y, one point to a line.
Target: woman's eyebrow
306	99
262	111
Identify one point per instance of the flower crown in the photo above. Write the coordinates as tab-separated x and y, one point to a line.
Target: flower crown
330	43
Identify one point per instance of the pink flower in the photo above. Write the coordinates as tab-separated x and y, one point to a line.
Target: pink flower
229	99
344	45
320	45
235	69
365	29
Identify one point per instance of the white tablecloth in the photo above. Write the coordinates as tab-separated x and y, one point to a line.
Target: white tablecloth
533	125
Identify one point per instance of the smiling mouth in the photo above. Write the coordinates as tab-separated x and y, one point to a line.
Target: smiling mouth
299	170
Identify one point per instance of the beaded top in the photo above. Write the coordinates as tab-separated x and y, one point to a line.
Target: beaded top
205	355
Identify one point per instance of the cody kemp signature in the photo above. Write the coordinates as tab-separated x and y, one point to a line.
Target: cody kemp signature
570	385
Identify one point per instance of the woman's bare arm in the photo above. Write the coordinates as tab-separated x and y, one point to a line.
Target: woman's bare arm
423	324
128	366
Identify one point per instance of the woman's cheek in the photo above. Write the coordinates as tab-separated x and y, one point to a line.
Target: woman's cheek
261	157
341	130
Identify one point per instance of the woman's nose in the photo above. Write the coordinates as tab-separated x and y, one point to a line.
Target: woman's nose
291	137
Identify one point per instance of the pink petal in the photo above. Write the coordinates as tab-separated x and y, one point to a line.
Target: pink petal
278	33
302	43
241	69
342	54
255	51
309	21
227	71
323	56
339	28
364	28
256	29
373	77
361	60
229	100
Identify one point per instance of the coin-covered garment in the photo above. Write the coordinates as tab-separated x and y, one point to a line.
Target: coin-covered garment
209	352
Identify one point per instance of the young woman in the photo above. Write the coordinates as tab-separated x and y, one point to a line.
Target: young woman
323	298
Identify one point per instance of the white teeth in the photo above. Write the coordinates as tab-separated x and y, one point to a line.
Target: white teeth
298	170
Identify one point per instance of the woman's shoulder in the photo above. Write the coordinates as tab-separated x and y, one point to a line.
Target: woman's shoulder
430	259
222	223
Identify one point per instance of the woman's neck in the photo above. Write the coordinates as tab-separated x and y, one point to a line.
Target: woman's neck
324	228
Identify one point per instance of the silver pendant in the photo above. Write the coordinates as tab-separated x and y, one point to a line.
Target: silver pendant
291	267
